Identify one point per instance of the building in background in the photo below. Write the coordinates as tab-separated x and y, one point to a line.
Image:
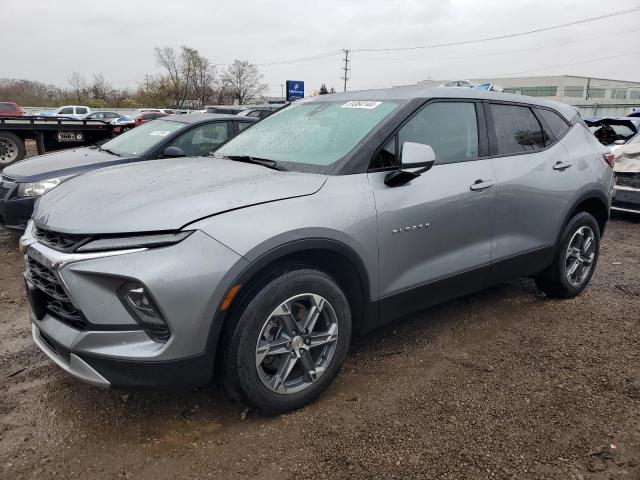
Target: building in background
591	96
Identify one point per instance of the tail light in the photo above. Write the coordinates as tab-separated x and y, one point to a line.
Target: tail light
609	158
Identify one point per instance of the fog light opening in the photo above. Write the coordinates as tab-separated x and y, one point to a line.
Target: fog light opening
143	309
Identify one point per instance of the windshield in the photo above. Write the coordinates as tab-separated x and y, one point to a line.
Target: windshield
142	138
314	133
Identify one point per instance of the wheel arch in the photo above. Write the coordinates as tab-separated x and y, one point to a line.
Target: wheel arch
330	256
596	204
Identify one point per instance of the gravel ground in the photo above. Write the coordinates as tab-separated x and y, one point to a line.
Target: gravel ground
502	384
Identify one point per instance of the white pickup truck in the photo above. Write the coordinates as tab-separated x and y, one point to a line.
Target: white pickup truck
68	111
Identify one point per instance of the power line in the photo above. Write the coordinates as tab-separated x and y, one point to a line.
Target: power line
500	37
303	59
608	57
508	52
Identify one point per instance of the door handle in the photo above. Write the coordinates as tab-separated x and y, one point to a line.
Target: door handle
562	165
480	185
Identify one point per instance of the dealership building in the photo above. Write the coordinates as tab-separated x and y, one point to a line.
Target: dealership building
591	96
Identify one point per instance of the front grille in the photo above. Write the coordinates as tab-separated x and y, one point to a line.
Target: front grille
60	241
631	180
54	299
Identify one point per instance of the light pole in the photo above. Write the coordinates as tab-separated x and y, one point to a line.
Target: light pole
282	90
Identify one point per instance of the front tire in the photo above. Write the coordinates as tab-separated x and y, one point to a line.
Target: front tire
575	258
287	341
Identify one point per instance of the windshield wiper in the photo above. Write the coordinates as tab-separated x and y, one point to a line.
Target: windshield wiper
265	162
109	151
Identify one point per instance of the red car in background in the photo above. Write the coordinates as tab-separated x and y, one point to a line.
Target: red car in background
144	117
10	109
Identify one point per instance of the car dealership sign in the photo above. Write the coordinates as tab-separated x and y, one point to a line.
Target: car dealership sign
295	90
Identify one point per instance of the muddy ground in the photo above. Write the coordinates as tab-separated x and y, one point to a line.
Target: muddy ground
502	384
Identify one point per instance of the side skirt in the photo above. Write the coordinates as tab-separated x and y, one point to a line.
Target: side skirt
396	305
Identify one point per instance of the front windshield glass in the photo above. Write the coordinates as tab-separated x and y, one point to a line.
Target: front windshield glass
314	133
142	138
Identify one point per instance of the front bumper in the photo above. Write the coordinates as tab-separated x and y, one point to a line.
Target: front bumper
187	280
626	199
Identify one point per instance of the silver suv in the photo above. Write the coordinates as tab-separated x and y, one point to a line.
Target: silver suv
329	218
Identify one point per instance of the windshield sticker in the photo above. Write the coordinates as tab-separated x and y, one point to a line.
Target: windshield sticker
366	104
159	133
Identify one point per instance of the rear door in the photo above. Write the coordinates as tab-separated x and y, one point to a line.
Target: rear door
536	180
434	233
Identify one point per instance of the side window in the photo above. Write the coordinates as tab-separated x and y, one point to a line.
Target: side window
66	111
202	140
243	125
450	128
81	110
254	114
517	129
555	122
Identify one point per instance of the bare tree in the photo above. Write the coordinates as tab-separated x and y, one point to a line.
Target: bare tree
78	84
100	88
166	57
244	80
189	73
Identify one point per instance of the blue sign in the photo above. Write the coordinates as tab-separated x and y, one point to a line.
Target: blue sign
295	90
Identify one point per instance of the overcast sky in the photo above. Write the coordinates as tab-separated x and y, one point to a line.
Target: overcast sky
47	40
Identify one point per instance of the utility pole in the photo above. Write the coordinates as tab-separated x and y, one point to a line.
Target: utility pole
346	68
146	81
282	90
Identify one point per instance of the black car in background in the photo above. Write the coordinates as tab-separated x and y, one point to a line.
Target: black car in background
196	134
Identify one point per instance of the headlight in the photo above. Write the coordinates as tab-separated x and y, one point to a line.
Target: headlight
36	189
137	241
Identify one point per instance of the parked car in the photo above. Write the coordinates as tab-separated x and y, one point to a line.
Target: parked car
166	111
259	112
104	116
226	109
176	136
325	220
10	109
613	130
144	117
68	111
626	195
122	123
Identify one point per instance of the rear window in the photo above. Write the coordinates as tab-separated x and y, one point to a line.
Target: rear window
557	125
517	130
7	107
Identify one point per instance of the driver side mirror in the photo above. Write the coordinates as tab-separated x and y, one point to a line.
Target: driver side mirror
412	155
173	152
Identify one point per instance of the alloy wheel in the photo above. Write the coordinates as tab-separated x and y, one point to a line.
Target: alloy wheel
580	255
297	343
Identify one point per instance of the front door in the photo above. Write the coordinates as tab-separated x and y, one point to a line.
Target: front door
435	233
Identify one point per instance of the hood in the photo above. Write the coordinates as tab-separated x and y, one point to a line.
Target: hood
627	158
65	162
164	194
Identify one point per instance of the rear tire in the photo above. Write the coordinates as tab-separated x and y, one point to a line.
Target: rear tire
287	340
575	258
12	149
